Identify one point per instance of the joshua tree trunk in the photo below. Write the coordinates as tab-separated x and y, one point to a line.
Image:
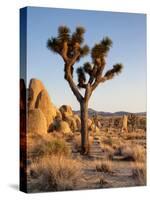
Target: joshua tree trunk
84	127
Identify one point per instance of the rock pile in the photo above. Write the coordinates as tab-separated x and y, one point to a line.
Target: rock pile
38	99
72	119
43	116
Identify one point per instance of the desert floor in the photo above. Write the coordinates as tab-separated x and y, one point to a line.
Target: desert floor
115	160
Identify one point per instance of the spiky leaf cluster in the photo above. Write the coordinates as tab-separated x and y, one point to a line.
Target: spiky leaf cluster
117	68
87	68
77	36
54	45
84	50
63	34
71	48
100	50
74	42
81	77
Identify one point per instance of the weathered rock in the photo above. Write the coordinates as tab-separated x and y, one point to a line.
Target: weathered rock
72	123
44	103
35	87
125	123
78	121
58	114
66	111
36	122
62	126
94	128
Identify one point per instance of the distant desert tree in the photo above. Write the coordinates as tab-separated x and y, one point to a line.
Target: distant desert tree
71	47
133	121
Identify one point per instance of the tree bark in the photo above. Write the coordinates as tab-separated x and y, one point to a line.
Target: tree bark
84	128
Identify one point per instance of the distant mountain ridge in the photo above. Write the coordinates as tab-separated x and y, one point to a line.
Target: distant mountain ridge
92	112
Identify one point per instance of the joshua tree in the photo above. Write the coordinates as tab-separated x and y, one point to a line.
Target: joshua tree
96	121
133	121
71	48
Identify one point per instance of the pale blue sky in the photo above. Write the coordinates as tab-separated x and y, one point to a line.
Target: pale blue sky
128	32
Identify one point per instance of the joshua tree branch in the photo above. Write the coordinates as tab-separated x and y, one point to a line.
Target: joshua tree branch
88	92
72	85
75	57
67	68
98	80
64	52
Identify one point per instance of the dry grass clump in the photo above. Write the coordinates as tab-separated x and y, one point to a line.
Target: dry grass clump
56	146
77	142
135	135
132	153
107	140
139	173
111	140
54	173
102	181
46	145
103	166
139	153
108	150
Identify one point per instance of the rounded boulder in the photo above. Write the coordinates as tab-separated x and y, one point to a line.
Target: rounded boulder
63	127
36	122
66	111
44	103
35	87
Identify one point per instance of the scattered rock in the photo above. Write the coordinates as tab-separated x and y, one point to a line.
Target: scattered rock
62	126
72	123
66	111
94	128
58	114
125	123
78	122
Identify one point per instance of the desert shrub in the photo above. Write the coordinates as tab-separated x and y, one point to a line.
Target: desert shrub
139	173
116	145
54	173
108	150
108	140
102	181
56	146
103	166
48	145
135	135
97	137
132	153
139	153
77	142
127	152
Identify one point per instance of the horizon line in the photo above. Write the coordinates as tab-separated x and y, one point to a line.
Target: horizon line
114	111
